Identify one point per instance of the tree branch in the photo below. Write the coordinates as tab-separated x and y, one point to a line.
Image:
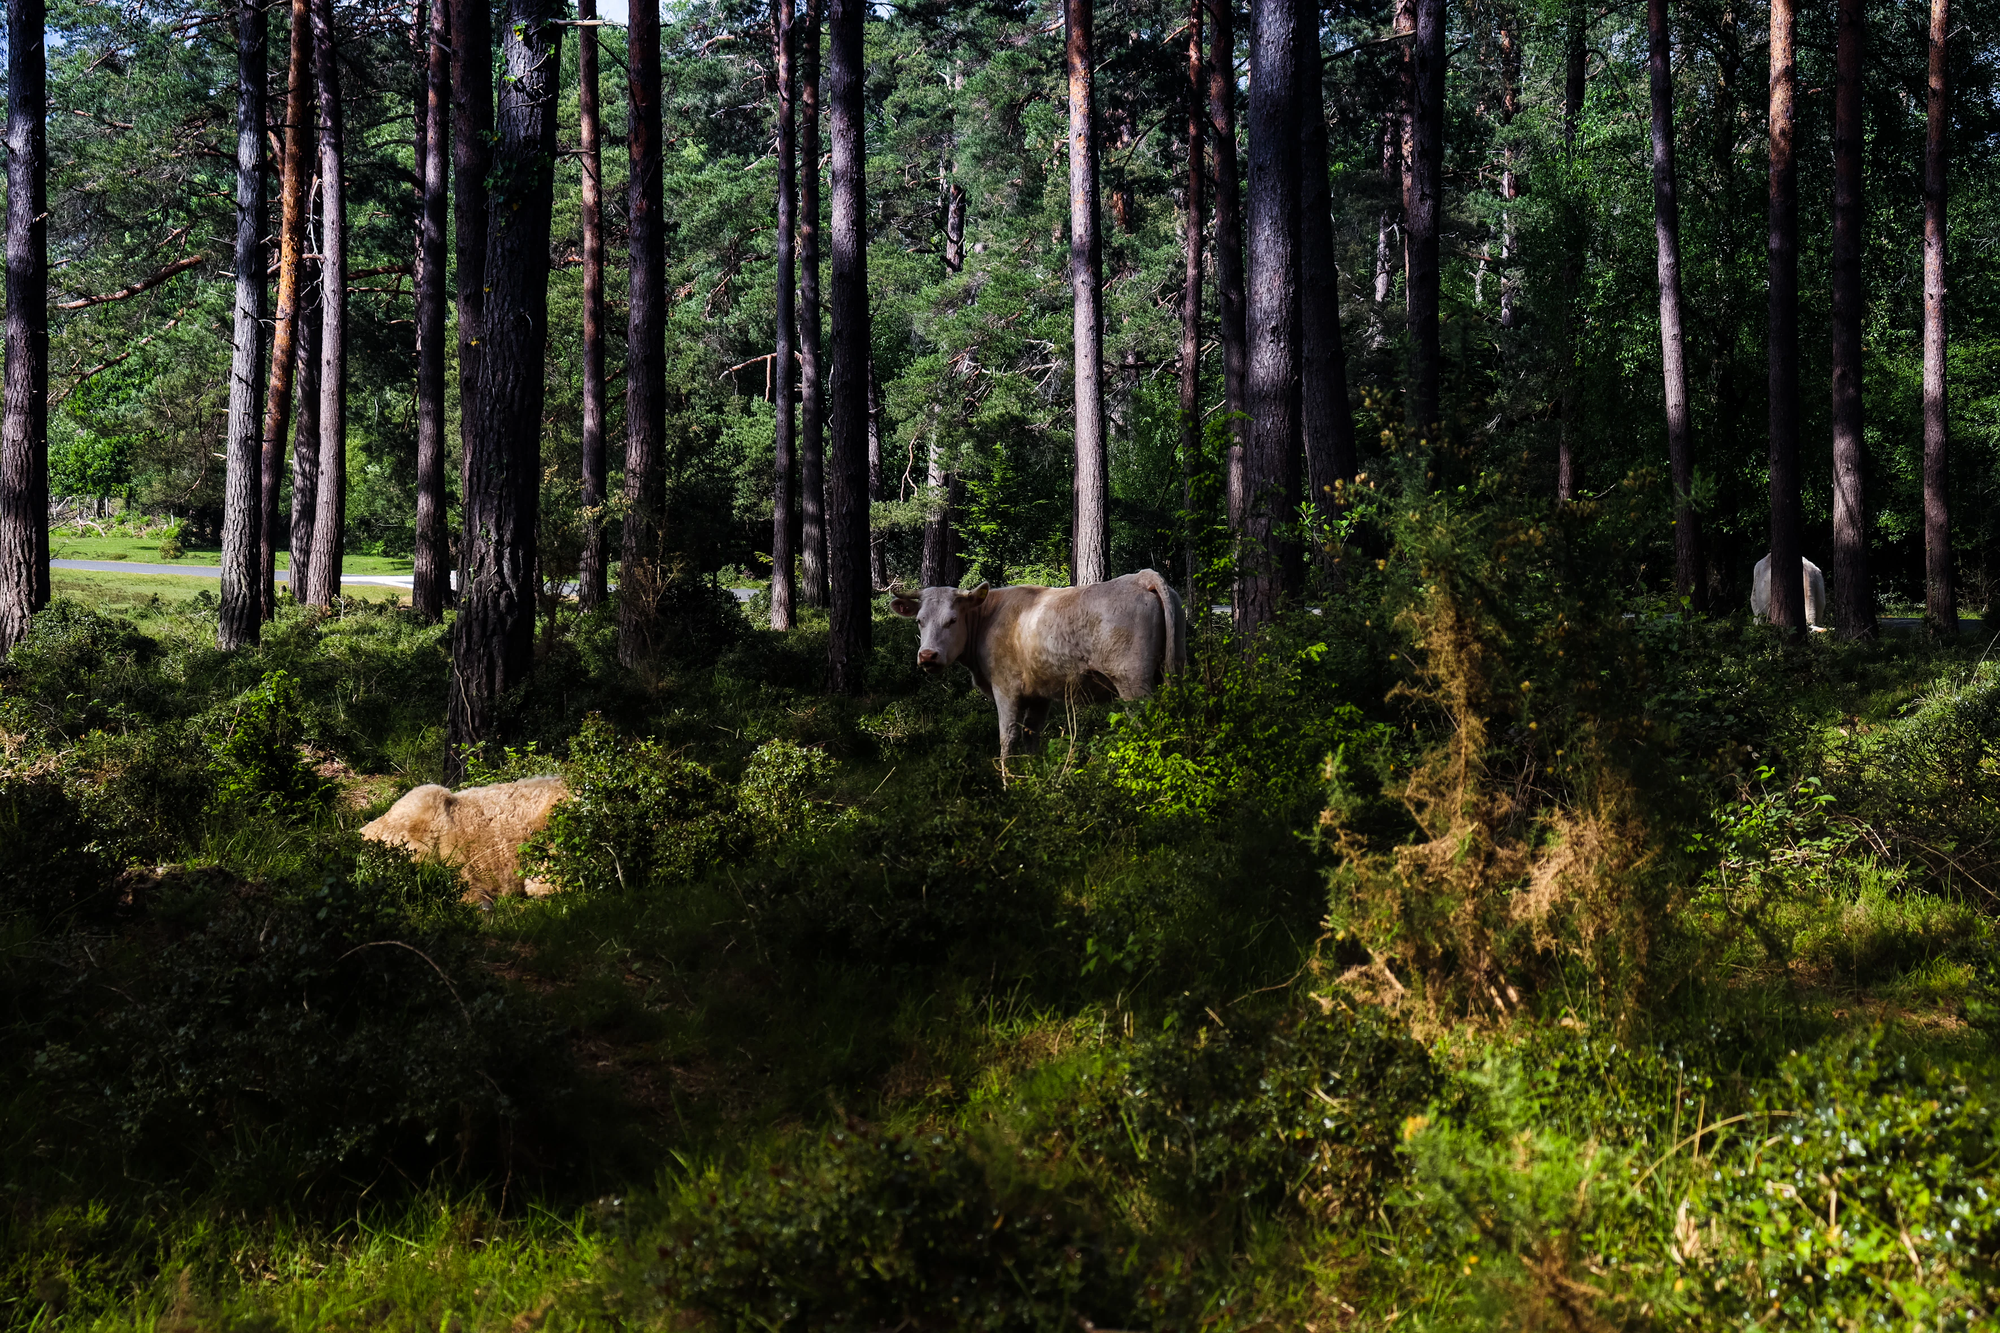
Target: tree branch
143	285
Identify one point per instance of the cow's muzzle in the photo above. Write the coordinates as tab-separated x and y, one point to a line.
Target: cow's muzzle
928	659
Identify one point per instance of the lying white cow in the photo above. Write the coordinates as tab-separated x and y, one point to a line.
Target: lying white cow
478	831
1760	591
1027	647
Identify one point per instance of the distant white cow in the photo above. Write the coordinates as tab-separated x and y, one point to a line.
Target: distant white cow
478	831
1815	587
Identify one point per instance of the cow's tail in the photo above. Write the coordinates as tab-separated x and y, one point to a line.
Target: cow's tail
1170	606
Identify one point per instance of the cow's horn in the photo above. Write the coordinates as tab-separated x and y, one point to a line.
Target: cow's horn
898	588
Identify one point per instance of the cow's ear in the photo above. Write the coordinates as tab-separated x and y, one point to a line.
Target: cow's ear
977	594
904	606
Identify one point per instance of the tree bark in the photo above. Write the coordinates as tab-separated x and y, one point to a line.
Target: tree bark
1197	169
305	434
1575	61
1273	318
330	519
936	568
24	420
242	611
1090	532
294	208
954	227
812	364
1673	343
493	637
1940	592
593	576
471	159
1788	607
849	593
645	346
1510	106
783	468
1228	243
1426	169
1326	418
878	538
433	548
1853	593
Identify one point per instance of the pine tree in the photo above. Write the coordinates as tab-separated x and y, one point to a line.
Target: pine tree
432	580
593	560
1090	531
1228	244
783	468
1673	343
330	514
294	206
1852	593
1940	592
645	343
848	590
1788	606
242	610
24	423
812	361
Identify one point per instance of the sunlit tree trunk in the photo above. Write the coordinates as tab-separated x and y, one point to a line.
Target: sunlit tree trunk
433	547
305	431
645	345
936	569
1326	419
878	538
850	600
1273	316
1191	242
812	364
1228	243
242	611
1090	532
1426	168
330	519
294	207
1568	425
493	637
24	421
1940	592
1852	593
783	469
1788	606
1673	344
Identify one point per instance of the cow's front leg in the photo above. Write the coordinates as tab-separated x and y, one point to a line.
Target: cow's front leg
1034	716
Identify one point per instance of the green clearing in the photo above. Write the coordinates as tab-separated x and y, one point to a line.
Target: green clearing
70	544
151	599
1466	956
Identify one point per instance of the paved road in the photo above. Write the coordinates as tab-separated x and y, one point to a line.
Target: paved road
215	572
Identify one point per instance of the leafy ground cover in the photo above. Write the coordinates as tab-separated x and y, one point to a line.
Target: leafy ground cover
1467	955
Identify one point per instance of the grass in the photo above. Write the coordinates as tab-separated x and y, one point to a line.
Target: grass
71	545
150	599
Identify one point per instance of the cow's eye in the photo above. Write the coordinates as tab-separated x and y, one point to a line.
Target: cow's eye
953	620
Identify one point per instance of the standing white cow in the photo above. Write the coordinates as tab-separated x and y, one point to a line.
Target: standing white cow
1760	591
1027	647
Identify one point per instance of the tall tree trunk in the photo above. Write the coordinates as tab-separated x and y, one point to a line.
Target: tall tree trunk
1197	168
1940	592
242	611
433	554
645	346
1788	605
471	159
1275	344
1228	243
493	637
1853	593
812	364
1575	61
592	562
24	421
878	538
1510	106
305	434
1673	344
784	464
1090	531
1386	223
1426	168
330	519
1326	419
935	569
295	206
848	590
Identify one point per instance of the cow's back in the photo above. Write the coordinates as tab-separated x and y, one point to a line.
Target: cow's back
1105	638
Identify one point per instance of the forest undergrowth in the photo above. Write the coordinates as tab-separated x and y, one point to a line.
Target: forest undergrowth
1486	947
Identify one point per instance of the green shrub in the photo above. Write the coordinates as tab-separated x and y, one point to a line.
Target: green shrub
257	760
1299	1109
777	786
638	816
881	1230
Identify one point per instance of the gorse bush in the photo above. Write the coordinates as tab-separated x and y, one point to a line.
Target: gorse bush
1537	805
